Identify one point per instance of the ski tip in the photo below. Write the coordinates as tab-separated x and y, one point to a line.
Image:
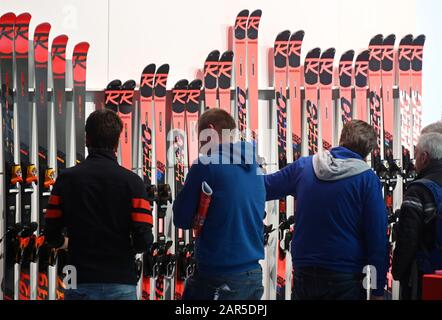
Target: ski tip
149	69
256	13
129	85
377	40
243	13
363	56
195	84
8	18
163	69
23	18
227	56
114	84
406	40
181	84
297	36
313	53
348	55
81	48
43	28
253	24
60	40
241	24
328	54
213	56
419	40
389	40
283	36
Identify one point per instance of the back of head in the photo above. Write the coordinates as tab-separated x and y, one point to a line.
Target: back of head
103	129
431	143
359	137
217	119
434	127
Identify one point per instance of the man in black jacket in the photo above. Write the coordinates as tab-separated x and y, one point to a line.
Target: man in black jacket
104	209
416	229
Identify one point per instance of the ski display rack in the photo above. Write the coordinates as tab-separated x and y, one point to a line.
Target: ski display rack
375	85
31	159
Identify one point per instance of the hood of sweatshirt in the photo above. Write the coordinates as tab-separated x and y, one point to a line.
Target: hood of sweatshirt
240	153
337	164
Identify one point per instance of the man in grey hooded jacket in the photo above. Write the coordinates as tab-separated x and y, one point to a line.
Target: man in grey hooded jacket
340	219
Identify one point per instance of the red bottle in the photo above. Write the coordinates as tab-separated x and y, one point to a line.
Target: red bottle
203	208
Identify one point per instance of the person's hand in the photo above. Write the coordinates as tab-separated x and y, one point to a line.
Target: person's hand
376	298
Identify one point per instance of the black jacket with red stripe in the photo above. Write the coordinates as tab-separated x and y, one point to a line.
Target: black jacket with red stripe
103	208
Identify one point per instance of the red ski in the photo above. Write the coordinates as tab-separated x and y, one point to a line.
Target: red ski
225	80
211	67
46	174
252	68
125	109
361	74
179	100
345	83
25	127
326	97
416	85
374	95
146	120
160	249
240	70
280	67
192	116
311	80
58	53
112	95
295	82
392	169
404	82
79	66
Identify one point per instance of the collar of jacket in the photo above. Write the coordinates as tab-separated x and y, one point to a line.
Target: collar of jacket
433	167
344	153
102	153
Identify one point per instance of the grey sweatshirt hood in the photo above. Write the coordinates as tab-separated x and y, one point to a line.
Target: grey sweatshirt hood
328	168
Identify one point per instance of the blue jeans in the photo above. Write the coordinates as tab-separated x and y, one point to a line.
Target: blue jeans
314	283
102	291
238	286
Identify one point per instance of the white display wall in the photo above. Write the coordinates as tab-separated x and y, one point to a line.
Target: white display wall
127	35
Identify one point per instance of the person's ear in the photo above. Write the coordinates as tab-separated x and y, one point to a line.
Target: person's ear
87	142
425	158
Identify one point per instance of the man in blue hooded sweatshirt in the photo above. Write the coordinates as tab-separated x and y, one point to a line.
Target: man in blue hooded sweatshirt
232	239
340	220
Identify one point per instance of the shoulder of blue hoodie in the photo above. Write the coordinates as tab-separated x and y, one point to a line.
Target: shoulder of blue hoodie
285	181
186	203
335	166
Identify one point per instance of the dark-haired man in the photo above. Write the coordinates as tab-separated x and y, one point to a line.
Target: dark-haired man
232	240
341	218
105	211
